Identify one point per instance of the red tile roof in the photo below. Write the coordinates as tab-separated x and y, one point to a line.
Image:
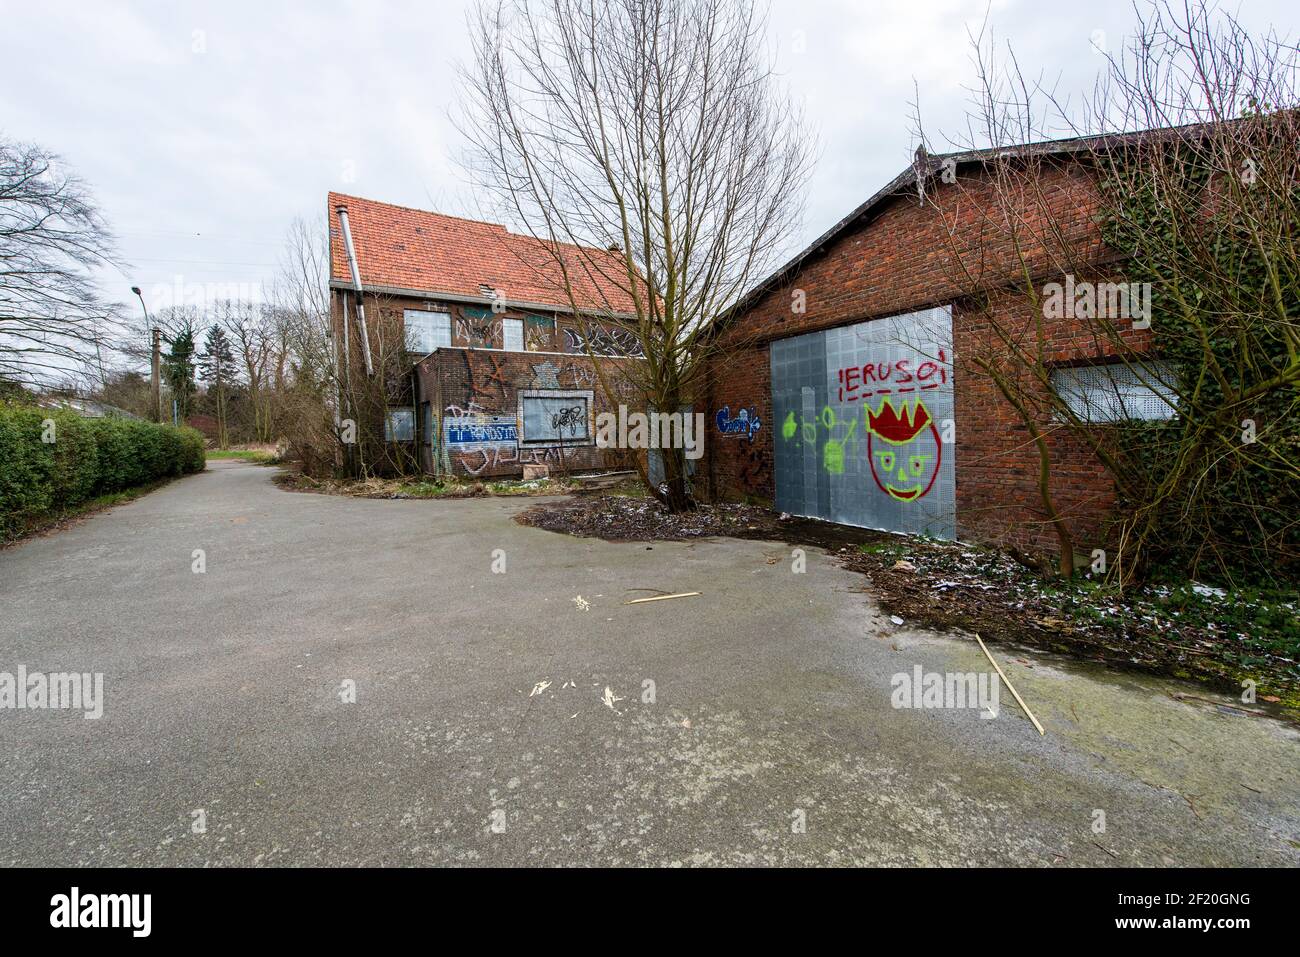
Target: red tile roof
414	249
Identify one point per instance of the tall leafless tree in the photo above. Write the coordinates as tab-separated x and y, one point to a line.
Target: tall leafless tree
52	234
300	291
300	294
654	128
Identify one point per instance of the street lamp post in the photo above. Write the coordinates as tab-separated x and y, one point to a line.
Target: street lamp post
155	367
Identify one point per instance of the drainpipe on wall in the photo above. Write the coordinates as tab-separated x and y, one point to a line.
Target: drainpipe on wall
334	368
345	386
416	424
443	468
356	284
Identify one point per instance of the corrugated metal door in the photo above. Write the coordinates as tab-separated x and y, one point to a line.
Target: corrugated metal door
864	424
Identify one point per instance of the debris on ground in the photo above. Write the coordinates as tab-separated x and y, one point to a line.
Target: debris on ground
1194	631
582	603
684	594
1010	687
626	518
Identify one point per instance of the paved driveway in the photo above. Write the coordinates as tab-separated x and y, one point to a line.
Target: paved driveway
769	737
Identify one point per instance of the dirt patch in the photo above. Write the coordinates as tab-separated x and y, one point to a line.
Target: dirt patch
1187	631
641	519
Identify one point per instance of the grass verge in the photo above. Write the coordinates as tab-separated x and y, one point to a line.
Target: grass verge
423	489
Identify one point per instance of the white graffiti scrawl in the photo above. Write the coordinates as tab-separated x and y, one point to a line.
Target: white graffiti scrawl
478	438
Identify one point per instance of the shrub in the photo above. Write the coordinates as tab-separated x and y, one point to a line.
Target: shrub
86	458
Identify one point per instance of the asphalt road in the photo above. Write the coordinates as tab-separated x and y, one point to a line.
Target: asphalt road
769	737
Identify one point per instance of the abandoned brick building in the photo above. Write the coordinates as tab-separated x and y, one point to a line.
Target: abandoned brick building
493	364
851	365
844	388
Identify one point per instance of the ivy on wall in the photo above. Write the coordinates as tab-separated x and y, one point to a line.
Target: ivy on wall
1215	491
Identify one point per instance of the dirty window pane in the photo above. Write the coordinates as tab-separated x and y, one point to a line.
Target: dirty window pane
426	331
550	417
400	425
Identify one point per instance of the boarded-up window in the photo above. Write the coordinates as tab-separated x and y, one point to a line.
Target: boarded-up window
1118	392
478	328
549	417
512	333
539	333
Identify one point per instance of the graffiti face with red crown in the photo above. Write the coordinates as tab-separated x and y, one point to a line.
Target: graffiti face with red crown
904	449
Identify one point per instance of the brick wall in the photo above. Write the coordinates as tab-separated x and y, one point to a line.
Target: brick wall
480	384
475	376
472	325
953	251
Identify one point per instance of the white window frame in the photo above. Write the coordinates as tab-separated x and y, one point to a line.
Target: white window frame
436	327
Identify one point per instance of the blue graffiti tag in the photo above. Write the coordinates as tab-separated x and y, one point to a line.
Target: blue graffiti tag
746	423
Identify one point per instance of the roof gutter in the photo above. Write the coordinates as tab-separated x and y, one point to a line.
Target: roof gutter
342	211
521	305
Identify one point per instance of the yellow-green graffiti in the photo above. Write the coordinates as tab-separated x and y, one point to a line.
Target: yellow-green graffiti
836	448
789	427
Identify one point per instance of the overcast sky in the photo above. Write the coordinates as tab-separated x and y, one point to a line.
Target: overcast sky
205	128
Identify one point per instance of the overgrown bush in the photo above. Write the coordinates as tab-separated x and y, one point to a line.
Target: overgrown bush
1215	492
52	460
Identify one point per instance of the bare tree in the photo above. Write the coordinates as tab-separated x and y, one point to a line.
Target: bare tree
645	144
328	416
309	400
301	306
255	349
301	287
51	236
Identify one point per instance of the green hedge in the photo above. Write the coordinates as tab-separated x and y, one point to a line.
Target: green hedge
87	458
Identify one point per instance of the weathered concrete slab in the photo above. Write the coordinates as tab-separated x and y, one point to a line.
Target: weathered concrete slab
772	698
